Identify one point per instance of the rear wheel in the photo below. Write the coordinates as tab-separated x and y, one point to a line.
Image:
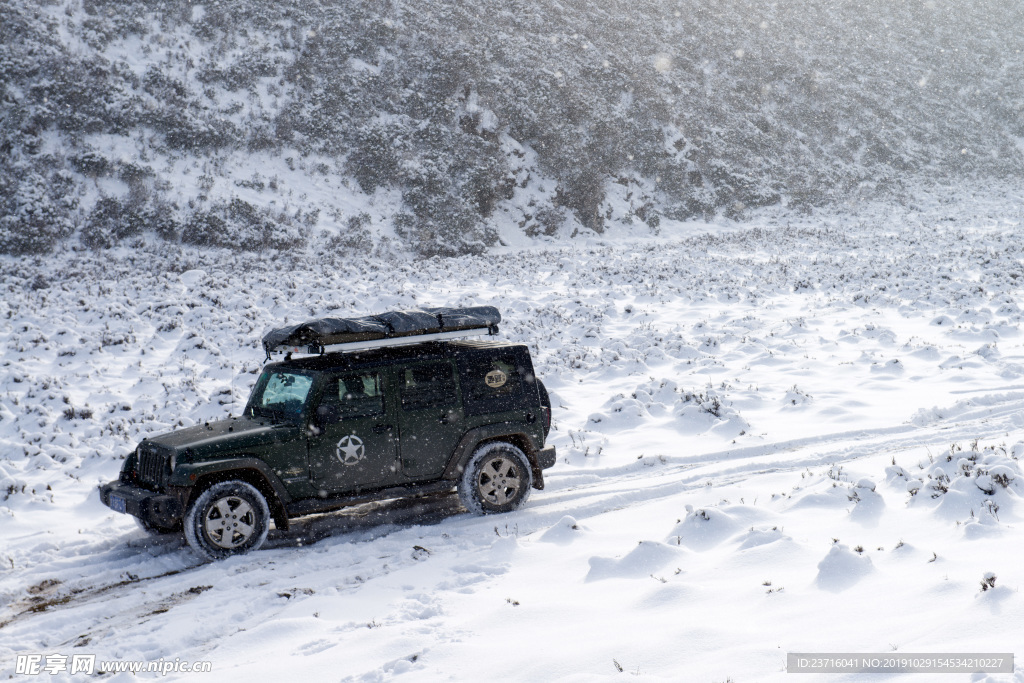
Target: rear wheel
497	478
229	518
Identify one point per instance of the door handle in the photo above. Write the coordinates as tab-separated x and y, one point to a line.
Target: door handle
380	429
444	420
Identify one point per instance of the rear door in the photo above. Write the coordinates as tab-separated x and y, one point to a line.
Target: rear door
354	443
430	416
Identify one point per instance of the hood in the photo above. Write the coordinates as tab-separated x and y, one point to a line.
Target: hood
232	434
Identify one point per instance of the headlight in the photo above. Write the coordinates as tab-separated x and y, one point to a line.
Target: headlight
173	461
129	467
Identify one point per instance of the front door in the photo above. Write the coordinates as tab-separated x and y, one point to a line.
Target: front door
353	444
431	420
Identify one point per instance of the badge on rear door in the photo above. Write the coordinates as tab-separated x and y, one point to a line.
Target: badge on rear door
496	379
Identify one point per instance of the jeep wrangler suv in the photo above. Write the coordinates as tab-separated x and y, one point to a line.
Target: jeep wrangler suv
398	404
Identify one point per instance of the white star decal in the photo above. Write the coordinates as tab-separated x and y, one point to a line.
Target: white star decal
350	450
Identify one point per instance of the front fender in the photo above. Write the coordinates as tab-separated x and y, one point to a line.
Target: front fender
187	474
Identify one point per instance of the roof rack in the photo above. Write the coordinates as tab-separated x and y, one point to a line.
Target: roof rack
380	343
394	328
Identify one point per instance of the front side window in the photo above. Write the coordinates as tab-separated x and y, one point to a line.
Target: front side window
280	394
356	394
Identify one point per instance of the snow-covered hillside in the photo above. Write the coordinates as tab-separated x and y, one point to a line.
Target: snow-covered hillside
446	127
795	439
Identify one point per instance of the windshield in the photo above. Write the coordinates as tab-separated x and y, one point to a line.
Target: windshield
280	394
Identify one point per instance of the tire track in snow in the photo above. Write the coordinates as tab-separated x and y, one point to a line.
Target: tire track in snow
380	529
685	473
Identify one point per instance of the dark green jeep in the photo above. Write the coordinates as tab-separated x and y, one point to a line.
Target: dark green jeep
385	406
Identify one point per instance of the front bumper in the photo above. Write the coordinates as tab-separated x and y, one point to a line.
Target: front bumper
159	509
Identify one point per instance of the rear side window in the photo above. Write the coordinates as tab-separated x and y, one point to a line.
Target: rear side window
428	385
492	383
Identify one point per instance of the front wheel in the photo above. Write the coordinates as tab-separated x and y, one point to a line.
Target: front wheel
229	518
497	478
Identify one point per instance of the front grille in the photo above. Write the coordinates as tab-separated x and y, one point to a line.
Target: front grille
152	464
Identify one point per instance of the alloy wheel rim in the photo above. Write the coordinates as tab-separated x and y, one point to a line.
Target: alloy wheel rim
229	522
499	481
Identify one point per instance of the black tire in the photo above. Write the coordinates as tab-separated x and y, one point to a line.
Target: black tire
155	529
229	518
497	478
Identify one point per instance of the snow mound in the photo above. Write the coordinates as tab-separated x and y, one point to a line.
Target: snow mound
880	334
897	476
868	504
192	278
641	562
564	532
969	485
842	568
985	526
705	528
835	496
796	397
989	352
891	367
692	413
927	352
756	538
697	413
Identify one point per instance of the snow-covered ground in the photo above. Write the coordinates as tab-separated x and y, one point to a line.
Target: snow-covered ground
797	439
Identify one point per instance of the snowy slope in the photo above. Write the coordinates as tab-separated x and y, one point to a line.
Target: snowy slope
793	439
449	127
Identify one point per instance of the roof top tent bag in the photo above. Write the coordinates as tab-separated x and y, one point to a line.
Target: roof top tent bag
323	332
467	318
392	328
408	323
